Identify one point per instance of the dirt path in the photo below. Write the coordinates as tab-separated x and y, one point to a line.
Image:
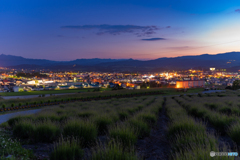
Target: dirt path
156	146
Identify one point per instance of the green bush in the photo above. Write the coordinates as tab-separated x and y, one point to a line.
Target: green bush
225	109
234	132
85	131
220	122
124	133
67	149
142	128
12	105
17	119
24	129
198	112
212	105
123	115
113	151
86	114
3	106
102	122
149	118
185	125
46	131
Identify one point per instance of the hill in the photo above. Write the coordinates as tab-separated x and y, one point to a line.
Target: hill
230	60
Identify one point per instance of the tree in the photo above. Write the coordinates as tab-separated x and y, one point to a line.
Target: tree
236	85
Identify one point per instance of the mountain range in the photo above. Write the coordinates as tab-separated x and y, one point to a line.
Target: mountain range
229	61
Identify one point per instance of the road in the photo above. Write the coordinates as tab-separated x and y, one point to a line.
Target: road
6	117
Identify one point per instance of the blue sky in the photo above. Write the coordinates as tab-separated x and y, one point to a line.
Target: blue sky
67	30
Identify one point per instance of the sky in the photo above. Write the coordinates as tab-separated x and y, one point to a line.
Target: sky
118	29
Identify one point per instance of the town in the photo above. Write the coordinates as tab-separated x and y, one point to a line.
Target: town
25	81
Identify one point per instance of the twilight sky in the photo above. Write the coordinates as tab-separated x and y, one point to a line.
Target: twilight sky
138	29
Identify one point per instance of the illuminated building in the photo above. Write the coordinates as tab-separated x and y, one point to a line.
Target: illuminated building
190	84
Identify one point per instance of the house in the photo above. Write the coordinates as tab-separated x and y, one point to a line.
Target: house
50	88
136	87
18	82
111	85
17	89
78	86
30	82
64	87
38	89
6	82
123	85
93	85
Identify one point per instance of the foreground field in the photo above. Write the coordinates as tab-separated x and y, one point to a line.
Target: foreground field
146	127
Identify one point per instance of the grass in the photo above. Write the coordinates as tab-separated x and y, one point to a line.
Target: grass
110	128
46	131
218	120
148	118
124	133
85	121
188	138
113	150
103	122
24	129
234	132
46	92
141	126
103	92
85	131
67	149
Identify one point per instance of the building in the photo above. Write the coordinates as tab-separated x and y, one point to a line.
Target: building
190	84
17	89
30	82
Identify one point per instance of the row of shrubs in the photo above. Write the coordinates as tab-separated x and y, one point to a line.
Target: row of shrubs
123	125
47	128
123	135
189	138
53	102
225	124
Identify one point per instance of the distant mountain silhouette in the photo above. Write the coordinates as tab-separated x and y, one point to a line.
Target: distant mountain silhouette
230	60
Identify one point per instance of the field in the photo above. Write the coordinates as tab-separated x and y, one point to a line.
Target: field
50	92
185	127
91	93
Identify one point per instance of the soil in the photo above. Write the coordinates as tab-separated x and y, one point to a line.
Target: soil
40	150
156	146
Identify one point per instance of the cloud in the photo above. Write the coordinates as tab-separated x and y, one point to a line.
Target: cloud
237	10
153	39
117	29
